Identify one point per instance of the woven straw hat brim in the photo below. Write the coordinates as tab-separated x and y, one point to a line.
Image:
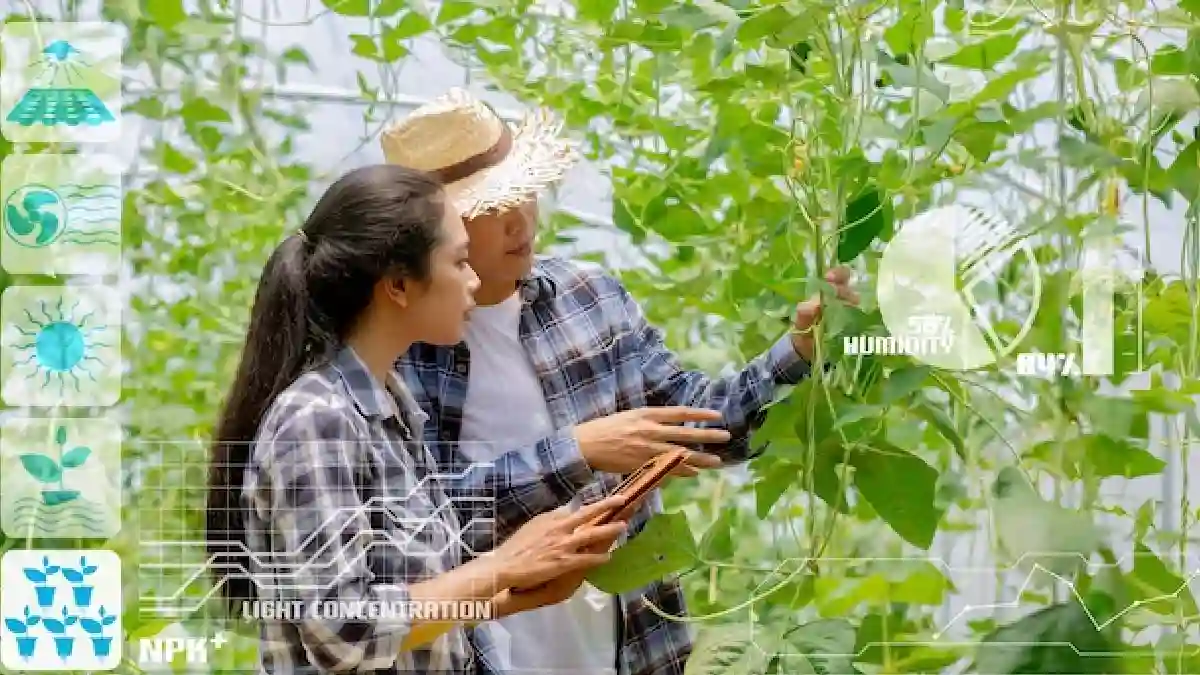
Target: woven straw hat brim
538	160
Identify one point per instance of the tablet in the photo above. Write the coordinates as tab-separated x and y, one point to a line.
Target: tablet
647	477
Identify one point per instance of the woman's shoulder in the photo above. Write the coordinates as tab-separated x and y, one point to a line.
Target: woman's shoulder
315	401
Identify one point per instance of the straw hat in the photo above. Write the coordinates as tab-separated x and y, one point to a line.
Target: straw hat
486	164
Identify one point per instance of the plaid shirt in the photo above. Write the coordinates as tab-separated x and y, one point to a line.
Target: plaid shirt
595	354
336	498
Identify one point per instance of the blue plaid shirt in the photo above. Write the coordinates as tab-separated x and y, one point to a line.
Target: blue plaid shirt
595	355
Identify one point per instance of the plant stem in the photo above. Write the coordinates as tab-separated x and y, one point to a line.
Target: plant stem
61	469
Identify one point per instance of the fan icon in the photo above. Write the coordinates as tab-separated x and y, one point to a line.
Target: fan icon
34	216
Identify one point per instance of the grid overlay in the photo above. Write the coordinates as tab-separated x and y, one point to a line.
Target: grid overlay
179	577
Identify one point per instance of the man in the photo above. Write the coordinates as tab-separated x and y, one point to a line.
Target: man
561	386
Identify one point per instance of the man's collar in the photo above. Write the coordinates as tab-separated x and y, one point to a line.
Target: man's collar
538	284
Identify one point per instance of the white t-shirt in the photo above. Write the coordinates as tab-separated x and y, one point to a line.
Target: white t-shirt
506	407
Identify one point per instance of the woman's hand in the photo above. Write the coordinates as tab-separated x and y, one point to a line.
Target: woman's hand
558	543
552	592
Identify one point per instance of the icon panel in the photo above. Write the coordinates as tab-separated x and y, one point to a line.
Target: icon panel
60	478
61	82
60	346
60	610
61	214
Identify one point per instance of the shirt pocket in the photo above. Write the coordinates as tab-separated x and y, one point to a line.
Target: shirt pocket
592	377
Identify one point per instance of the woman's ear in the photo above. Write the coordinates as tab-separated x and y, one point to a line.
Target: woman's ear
397	291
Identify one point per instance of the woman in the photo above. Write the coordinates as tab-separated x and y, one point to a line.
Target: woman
319	490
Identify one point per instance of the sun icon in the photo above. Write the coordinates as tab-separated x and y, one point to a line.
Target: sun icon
60	350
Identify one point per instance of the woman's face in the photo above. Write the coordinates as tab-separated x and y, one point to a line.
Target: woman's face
438	310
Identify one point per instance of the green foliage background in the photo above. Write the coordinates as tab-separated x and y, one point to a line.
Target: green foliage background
752	145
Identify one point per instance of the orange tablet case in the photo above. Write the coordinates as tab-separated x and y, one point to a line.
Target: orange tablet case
645	478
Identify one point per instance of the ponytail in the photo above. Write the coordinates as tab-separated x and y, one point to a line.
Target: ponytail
278	344
374	221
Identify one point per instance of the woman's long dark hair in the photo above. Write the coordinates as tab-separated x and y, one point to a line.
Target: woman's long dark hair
374	221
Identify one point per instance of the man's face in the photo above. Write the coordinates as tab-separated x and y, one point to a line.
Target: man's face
501	248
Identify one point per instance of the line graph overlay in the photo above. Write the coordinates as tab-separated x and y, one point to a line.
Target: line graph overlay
1030	574
180	575
1154	581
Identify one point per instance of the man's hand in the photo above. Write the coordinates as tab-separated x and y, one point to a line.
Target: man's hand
622	442
808	313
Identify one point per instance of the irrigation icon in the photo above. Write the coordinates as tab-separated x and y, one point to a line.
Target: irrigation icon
61	346
60	478
61	610
61	82
61	214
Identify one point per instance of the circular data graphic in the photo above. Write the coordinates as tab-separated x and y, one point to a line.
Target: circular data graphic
942	286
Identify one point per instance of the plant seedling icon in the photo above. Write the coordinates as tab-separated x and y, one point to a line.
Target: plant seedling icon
41	579
47	470
20	627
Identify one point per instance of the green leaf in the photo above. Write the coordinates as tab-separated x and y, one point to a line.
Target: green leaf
1100	456
903	382
198	110
799	56
866	217
727	649
825	645
1115	417
980	138
410	26
985	54
42	468
1185	171
365	46
349	7
689	17
452	10
901	488
1160	589
76	457
914	28
149	107
174	160
907	76
389	8
296	55
717	542
856	412
166	13
1119	457
811	396
773	479
60	435
663	547
1061	638
1169	60
764	23
943	424
926	585
1163	401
